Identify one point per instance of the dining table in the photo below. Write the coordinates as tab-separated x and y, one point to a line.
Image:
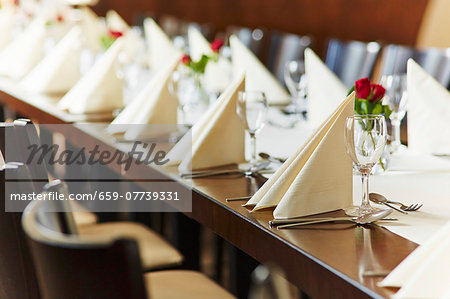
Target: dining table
327	261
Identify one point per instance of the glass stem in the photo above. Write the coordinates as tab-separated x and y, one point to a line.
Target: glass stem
253	148
395	142
365	205
182	118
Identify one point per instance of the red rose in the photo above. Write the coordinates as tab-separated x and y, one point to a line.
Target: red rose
362	88
217	44
60	18
377	92
115	34
185	59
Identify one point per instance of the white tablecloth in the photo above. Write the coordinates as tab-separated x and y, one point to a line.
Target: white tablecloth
411	178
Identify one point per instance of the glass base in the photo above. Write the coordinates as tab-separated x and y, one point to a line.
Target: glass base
359	211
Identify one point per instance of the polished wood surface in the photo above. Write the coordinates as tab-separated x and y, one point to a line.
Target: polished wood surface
325	262
389	21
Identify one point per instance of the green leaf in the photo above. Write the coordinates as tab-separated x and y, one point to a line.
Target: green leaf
351	90
107	41
200	66
378	109
387	111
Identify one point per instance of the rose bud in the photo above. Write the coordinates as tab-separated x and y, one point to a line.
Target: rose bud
115	34
217	44
362	88
377	92
185	59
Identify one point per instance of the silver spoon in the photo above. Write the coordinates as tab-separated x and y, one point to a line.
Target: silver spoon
268	157
380	199
364	219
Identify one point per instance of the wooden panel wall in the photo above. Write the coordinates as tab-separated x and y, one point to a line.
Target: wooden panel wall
390	21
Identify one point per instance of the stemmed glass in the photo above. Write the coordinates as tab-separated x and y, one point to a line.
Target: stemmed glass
295	79
396	98
193	100
252	110
365	139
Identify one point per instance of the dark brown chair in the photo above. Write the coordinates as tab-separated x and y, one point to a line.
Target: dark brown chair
283	48
17	276
435	61
254	39
103	266
22	134
352	60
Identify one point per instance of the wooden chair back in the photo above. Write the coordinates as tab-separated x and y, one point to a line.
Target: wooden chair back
92	267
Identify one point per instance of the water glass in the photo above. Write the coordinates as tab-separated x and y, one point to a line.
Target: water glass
252	110
295	79
365	139
396	98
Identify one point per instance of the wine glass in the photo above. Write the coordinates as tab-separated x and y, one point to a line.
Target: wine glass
396	98
252	110
295	79
193	99
365	139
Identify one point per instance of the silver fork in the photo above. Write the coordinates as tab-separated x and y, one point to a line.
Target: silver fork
412	207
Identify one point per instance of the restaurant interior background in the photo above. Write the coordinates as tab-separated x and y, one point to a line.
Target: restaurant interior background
364	20
213	247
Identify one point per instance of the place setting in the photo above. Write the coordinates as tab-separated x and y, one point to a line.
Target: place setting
253	162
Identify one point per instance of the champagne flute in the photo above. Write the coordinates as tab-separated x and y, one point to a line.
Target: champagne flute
252	110
295	79
365	139
396	98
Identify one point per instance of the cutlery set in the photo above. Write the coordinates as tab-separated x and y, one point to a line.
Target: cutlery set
259	168
361	220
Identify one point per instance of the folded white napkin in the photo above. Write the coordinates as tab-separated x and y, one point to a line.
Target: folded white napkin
258	77
325	90
425	273
6	26
25	51
160	47
218	138
93	29
317	178
154	105
82	3
115	22
58	72
2	161
217	74
100	89
428	112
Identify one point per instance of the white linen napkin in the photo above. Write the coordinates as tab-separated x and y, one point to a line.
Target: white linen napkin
258	77
154	105
217	74
93	29
100	89
428	112
115	22
317	178
325	90
6	26
218	138
160	47
82	3
58	72
25	51
425	273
